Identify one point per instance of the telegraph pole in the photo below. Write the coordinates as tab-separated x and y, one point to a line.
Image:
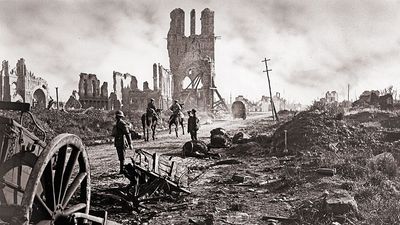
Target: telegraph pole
348	92
57	97
274	114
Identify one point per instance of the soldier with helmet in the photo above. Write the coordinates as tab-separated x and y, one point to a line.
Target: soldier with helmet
176	109
193	124
122	138
151	105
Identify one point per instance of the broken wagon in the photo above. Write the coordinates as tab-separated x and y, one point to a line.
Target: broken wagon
42	183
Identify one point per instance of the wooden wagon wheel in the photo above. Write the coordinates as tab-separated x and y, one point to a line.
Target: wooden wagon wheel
59	182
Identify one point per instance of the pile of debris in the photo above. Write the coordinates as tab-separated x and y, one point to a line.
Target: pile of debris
92	125
337	207
314	130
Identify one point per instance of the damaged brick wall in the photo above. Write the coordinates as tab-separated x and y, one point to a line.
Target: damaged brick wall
90	93
192	59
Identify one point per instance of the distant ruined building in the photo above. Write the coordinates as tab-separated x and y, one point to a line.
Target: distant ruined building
127	95
331	97
192	61
125	92
90	93
20	85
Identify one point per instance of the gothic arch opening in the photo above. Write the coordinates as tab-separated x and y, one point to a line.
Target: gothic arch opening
85	87
200	85
39	99
186	82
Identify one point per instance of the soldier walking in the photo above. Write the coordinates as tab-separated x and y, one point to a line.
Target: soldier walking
193	124
122	138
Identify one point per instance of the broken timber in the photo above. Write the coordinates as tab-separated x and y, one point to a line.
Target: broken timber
152	177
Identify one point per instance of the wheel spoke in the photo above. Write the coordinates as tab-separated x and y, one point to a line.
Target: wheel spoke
48	186
59	172
68	171
40	201
19	175
74	186
75	208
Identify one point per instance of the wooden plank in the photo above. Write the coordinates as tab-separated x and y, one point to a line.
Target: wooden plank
155	166
172	172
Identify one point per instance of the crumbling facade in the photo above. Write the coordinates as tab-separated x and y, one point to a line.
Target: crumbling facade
331	97
19	84
192	60
5	92
280	103
122	84
90	92
127	95
164	86
374	99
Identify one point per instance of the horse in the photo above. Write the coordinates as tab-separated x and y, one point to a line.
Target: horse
176	119
149	121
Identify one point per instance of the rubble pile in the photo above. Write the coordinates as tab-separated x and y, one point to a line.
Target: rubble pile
315	130
331	208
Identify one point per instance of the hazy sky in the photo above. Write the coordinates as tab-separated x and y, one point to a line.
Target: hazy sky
314	46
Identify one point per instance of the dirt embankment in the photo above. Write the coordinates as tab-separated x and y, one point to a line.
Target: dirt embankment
91	125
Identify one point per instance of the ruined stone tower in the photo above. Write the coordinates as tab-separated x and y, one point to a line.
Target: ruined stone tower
5	92
192	59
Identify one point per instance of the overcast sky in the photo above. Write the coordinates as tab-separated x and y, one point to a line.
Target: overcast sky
314	46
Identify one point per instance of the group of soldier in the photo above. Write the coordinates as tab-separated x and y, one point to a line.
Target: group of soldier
121	130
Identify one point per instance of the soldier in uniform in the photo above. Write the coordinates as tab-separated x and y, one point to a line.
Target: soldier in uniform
193	124
151	105
176	109
122	138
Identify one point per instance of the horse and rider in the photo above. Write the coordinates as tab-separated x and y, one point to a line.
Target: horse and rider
176	118
152	115
150	120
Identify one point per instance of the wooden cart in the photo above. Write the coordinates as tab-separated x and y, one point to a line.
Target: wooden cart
42	183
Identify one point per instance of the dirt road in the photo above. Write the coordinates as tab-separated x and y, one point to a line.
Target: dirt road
165	143
104	168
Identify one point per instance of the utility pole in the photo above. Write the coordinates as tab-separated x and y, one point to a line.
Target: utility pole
274	114
57	97
348	92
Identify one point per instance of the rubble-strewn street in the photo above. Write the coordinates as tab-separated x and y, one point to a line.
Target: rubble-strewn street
319	182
